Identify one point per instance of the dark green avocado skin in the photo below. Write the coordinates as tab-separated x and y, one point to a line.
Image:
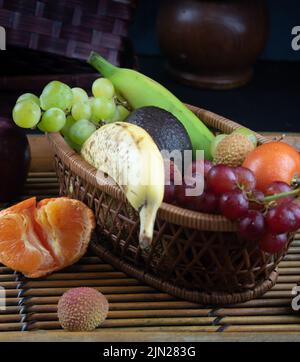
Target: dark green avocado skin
165	129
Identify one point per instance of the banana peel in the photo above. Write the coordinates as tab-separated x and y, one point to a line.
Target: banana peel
128	154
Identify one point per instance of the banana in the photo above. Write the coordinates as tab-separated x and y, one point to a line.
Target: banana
128	154
140	91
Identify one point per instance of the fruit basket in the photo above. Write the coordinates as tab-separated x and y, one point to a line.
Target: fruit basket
195	256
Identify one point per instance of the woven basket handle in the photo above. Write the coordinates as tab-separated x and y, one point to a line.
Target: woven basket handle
213	120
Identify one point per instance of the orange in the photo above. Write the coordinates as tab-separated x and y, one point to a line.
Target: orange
37	239
273	161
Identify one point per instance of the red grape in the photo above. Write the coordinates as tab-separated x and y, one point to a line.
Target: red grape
180	194
245	178
295	207
169	195
234	204
252	226
207	166
272	243
207	202
256	199
284	218
221	178
172	172
203	166
278	187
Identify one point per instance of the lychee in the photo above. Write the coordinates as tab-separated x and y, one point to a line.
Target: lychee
232	150
82	309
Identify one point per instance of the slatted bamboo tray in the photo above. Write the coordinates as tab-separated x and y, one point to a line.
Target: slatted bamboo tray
139	312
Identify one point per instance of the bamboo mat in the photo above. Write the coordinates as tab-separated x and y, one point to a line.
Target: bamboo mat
135	307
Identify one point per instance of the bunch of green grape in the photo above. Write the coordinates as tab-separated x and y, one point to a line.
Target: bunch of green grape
70	110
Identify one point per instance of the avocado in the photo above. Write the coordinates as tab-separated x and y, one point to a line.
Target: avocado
166	130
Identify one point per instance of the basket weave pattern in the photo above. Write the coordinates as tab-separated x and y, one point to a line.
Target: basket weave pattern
70	28
195	256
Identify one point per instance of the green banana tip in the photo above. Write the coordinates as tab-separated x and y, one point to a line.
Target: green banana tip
92	56
102	65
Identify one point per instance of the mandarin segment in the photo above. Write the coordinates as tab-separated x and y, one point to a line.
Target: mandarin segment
20	248
29	204
39	239
68	241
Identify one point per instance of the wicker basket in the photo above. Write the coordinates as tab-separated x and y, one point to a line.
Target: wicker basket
50	40
70	28
194	256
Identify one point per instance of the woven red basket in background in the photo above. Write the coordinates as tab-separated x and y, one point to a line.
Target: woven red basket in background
70	28
49	37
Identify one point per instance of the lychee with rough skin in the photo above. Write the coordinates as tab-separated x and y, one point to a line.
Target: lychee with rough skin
232	150
82	309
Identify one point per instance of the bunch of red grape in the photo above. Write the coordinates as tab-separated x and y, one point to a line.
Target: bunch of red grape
232	192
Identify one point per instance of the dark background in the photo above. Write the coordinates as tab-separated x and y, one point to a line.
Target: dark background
284	15
270	102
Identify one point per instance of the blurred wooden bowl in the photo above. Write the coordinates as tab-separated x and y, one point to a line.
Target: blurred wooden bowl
212	43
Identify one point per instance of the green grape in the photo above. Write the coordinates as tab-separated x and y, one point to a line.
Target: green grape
69	123
103	87
103	109
26	114
115	117
120	115
72	144
82	110
79	95
29	97
56	95
41	128
81	131
53	120
123	113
